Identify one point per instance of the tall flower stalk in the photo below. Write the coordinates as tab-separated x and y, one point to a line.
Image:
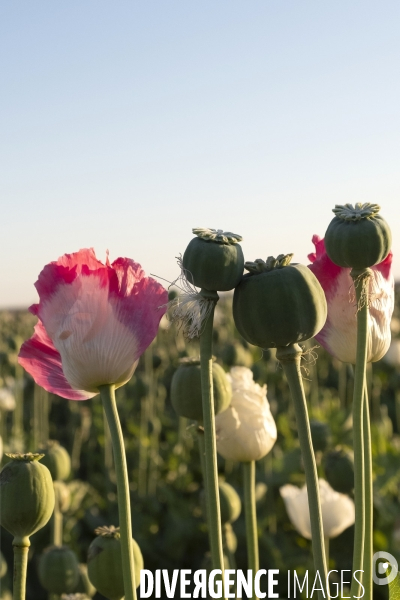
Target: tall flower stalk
290	358
107	393
359	238
362	528
213	261
369	499
278	305
210	446
249	480
95	321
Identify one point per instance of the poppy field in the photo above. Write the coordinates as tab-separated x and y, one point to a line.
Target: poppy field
230	422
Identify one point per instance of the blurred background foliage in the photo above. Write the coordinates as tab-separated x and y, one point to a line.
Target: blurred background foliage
163	458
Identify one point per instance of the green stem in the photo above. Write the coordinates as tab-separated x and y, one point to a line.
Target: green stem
212	491
290	357
57	520
249	481
369	525
326	542
361	285
202	453
21	549
107	393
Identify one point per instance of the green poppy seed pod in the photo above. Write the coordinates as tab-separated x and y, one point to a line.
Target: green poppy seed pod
320	435
230	503
229	538
186	389
58	570
105	563
57	460
84	585
357	237
278	304
229	500
214	260
26	495
339	470
63	495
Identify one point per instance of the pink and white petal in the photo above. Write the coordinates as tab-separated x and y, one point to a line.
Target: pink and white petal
139	302
65	270
339	334
39	357
96	348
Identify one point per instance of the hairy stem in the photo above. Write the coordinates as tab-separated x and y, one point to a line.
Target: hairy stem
361	285
290	357
210	446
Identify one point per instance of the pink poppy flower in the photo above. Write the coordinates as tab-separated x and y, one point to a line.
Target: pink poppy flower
339	334
95	321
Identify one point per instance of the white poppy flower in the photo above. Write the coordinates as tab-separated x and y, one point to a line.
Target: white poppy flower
246	430
338	511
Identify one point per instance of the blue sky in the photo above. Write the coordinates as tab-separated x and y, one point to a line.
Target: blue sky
125	124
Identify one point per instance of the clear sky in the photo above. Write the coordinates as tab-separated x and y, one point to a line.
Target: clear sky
125	124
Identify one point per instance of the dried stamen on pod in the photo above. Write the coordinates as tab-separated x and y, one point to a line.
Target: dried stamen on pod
186	389
109	531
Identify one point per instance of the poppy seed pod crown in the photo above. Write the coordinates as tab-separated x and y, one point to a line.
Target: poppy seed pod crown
214	260
278	304
357	237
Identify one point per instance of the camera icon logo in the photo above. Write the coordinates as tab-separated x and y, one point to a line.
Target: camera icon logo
386	560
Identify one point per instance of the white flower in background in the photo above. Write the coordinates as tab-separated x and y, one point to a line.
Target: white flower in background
338	511
7	399
392	356
246	430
